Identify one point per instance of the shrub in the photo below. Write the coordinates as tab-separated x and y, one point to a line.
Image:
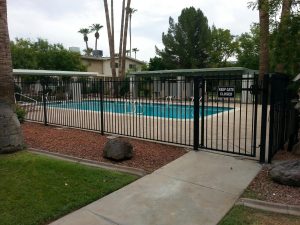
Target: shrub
21	113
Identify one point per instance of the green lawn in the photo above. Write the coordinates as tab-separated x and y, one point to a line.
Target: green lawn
241	215
36	189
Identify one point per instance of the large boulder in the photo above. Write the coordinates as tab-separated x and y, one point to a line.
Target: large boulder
118	149
287	172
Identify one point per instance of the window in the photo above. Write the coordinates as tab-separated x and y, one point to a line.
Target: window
132	66
117	65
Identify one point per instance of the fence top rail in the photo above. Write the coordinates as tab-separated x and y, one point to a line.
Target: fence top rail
197	72
25	72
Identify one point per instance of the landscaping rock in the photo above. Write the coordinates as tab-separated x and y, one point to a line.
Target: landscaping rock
296	149
118	149
287	172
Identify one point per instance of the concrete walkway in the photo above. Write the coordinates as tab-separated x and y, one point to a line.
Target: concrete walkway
198	188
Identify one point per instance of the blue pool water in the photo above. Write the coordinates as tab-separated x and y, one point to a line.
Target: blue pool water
143	109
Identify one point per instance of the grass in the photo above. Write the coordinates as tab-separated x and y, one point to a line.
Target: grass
251	194
36	189
241	215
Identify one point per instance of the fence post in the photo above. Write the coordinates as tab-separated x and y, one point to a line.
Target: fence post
273	85
44	104
202	110
101	106
255	93
196	113
265	94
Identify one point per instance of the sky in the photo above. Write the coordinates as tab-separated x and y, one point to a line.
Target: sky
58	21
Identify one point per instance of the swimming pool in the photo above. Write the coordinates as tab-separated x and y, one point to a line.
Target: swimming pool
175	111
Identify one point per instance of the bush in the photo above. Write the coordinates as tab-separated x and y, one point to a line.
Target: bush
21	113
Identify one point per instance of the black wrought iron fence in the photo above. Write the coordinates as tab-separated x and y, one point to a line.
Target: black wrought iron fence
282	117
214	112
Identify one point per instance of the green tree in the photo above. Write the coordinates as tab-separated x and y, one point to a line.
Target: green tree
27	54
186	42
279	35
96	28
222	47
156	63
284	42
248	48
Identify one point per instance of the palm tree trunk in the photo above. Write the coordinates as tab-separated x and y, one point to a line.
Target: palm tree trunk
286	8
264	37
121	38
11	140
282	40
87	46
96	44
110	40
130	32
113	30
125	38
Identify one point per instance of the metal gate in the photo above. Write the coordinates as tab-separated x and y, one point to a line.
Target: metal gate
233	128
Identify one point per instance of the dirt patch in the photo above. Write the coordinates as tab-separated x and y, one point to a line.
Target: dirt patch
89	145
264	188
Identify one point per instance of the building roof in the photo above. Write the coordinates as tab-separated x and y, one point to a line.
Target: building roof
53	73
197	72
108	58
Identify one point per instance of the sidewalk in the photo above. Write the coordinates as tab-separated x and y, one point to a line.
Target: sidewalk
198	188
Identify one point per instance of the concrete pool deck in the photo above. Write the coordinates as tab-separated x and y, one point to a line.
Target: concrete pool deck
198	188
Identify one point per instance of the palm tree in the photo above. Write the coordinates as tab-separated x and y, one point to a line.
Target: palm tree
88	51
125	38
135	50
131	11
95	28
85	32
263	7
121	38
110	39
11	140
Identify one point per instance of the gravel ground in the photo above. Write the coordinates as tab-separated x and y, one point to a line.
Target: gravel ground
265	188
147	155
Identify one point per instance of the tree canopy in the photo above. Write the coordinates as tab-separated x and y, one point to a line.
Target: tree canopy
40	54
186	42
222	47
248	48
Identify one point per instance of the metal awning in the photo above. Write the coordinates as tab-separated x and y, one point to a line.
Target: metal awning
25	72
197	72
